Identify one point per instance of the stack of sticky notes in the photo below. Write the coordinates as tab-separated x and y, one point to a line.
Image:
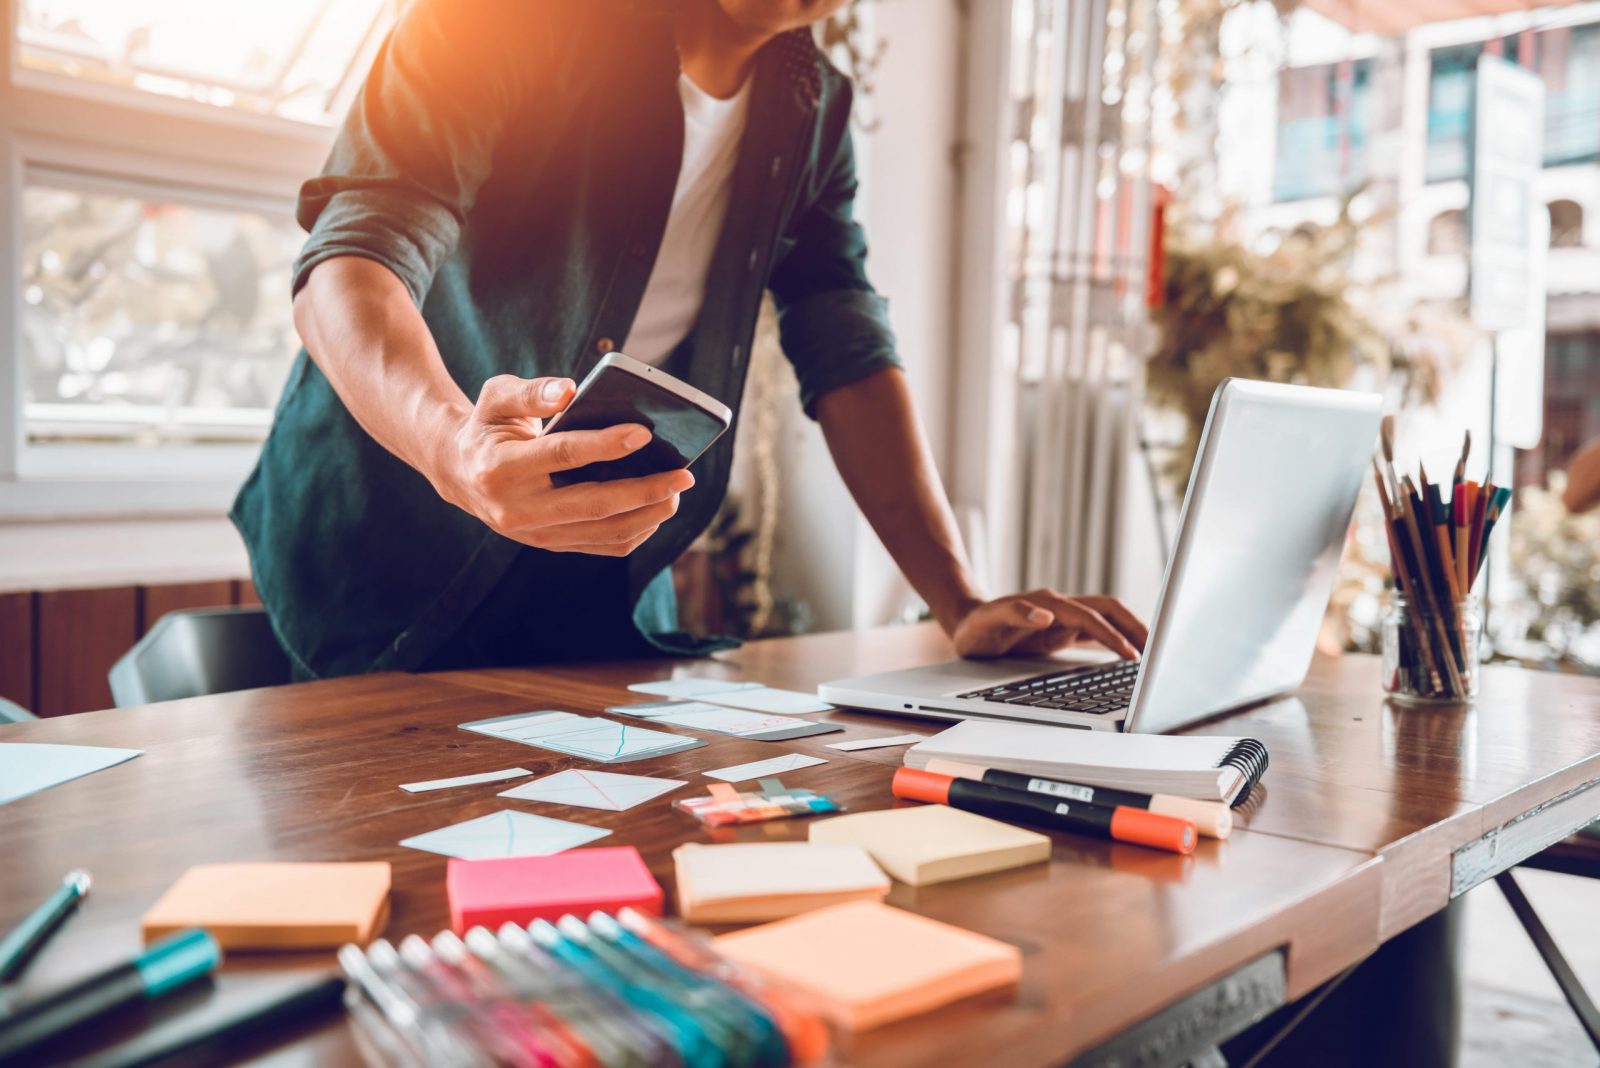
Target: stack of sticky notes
864	964
747	882
276	905
488	893
935	843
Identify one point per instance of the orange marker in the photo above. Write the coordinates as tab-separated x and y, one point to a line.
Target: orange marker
1119	822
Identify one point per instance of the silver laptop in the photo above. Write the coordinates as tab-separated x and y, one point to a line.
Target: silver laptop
1259	540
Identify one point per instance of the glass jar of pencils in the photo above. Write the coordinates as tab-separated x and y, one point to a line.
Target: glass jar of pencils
1431	656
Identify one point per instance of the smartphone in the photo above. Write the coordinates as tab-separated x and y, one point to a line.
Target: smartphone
620	389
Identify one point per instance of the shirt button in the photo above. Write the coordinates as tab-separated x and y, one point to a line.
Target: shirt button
605	345
777	165
750	264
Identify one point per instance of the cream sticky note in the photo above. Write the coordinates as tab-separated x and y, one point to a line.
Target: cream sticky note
866	964
744	882
933	843
275	905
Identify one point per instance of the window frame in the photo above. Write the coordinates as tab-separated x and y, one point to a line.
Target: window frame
140	141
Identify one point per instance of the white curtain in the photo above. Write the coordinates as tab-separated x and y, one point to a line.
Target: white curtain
1078	217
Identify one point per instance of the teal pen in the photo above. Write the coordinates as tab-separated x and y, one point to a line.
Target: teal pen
169	964
687	1035
20	944
603	1023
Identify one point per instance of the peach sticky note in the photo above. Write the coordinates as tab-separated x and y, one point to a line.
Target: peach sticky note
864	964
276	906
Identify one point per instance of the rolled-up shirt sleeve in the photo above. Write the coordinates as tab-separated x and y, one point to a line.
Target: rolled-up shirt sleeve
833	326
421	137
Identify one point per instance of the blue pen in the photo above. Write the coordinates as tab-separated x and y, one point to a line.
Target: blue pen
19	945
171	963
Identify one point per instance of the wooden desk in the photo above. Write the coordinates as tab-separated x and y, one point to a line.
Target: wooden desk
1447	796
1111	934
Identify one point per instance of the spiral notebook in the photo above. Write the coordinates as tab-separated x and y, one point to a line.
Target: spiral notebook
1205	768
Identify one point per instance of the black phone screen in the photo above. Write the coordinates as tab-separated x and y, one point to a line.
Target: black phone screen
682	430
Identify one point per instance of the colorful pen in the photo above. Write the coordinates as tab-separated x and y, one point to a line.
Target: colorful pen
30	934
1210	818
173	962
1121	823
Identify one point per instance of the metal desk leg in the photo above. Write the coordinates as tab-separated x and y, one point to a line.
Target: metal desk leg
1565	978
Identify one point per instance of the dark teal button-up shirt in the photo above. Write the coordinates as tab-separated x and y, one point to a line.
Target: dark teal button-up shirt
513	163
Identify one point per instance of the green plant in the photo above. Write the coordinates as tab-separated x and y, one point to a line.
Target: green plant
1282	316
1555	564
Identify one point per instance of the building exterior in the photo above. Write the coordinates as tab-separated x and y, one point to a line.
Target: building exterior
1390	116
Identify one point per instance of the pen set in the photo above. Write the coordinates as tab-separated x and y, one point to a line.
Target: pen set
1437	546
618	991
1016	799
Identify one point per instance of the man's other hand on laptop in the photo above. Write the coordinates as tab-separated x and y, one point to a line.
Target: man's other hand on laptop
1041	621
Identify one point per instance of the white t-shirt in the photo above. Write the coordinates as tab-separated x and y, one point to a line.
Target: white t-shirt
677	287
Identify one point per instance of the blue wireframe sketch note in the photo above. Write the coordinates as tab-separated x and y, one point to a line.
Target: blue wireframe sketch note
505	834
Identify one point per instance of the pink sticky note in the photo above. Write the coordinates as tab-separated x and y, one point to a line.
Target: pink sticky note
488	893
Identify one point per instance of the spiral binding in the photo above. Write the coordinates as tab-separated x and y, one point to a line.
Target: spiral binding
1250	758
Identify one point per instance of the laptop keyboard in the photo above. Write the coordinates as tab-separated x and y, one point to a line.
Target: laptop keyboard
1095	691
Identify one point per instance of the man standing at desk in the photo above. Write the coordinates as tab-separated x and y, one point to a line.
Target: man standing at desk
521	187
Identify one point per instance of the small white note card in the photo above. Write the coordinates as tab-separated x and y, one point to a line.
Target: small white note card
464	780
761	768
877	743
505	834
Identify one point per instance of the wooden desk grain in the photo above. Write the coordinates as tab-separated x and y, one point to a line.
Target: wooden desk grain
1349	768
1110	933
1413	784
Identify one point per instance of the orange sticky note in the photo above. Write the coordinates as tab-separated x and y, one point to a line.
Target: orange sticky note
864	964
276	906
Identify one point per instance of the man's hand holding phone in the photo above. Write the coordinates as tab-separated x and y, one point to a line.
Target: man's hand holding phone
499	465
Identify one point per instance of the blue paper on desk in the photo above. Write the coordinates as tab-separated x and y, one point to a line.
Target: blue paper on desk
28	767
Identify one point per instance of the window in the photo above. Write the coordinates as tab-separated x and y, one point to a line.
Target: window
1566	224
1566	57
147	319
1447	233
294	58
1323	117
151	152
1571	417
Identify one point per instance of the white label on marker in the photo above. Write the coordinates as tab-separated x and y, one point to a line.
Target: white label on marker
1060	789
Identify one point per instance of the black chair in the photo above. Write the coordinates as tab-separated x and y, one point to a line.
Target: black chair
200	651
